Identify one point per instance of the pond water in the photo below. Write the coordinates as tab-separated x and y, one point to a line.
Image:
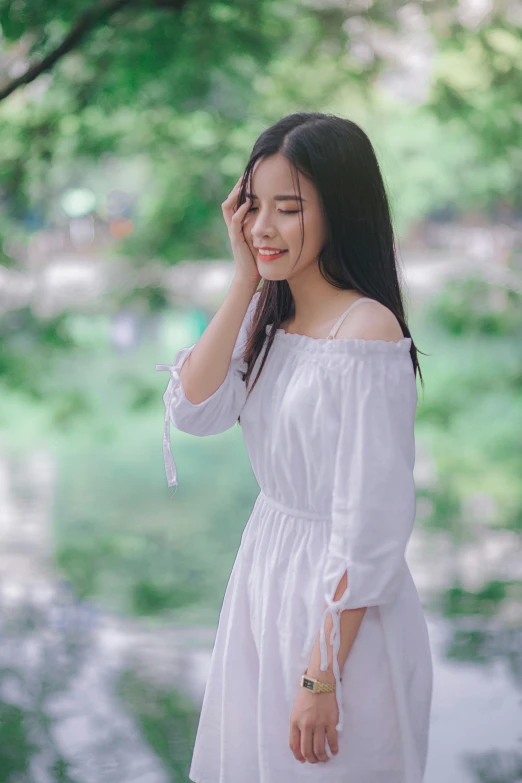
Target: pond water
90	693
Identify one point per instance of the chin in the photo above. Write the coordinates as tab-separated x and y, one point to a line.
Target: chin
273	274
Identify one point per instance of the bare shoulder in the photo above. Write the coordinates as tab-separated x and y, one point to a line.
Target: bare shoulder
371	321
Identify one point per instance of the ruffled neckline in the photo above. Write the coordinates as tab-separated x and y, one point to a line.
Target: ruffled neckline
348	345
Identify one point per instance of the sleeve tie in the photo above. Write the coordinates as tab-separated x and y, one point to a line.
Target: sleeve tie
334	608
168	459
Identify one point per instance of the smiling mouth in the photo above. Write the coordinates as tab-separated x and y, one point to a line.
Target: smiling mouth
269	255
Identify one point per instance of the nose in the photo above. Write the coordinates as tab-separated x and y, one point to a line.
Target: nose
261	228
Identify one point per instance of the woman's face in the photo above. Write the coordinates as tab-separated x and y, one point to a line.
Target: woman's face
273	221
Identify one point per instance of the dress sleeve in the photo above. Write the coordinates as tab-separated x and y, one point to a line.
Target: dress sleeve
215	414
373	504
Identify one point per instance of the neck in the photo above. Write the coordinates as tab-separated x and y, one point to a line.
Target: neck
316	300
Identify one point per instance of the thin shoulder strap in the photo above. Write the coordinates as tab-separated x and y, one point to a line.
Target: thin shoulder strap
341	318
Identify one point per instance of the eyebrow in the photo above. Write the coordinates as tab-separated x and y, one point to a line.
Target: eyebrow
279	198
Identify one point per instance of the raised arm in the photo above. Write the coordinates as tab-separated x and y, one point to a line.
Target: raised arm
206	391
208	363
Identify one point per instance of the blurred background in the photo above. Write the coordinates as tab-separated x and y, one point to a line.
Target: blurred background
124	125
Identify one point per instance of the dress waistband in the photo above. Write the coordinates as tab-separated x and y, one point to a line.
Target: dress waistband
294	512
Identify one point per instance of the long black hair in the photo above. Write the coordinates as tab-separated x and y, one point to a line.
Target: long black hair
360	252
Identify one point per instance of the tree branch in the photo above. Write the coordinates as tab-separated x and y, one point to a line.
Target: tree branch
76	34
86	22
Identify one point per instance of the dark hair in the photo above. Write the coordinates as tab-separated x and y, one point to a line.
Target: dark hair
359	253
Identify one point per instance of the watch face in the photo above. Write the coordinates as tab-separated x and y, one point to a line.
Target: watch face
308	683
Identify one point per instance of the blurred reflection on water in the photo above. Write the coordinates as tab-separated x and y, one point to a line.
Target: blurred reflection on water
86	697
89	696
476	733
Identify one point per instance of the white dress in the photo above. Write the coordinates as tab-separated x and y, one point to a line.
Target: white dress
329	430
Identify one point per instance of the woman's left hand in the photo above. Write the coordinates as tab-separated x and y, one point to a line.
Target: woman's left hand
314	718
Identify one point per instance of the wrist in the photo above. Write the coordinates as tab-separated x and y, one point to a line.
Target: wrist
327	676
245	283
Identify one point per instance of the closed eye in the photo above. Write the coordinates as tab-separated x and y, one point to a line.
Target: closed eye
282	211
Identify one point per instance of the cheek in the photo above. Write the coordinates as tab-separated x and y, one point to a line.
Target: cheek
292	231
313	233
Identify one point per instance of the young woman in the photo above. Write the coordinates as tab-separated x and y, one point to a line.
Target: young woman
320	586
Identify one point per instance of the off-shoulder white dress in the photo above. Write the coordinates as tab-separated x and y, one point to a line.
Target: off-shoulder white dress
329	430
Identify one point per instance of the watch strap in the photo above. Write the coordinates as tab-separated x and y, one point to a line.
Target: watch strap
316	686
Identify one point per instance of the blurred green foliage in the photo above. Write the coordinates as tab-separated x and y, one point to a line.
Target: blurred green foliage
486	601
475	306
495	766
178	90
121	537
16	748
164	99
471	415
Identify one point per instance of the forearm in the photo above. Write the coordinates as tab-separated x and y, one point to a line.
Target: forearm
206	368
350	621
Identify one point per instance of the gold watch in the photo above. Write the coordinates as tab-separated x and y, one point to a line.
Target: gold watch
316	686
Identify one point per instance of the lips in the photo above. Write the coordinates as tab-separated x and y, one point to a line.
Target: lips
272	256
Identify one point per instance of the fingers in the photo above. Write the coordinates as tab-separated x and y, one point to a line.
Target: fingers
318	744
241	211
307	743
331	735
232	215
295	742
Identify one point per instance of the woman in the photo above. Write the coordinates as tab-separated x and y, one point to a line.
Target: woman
320	586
